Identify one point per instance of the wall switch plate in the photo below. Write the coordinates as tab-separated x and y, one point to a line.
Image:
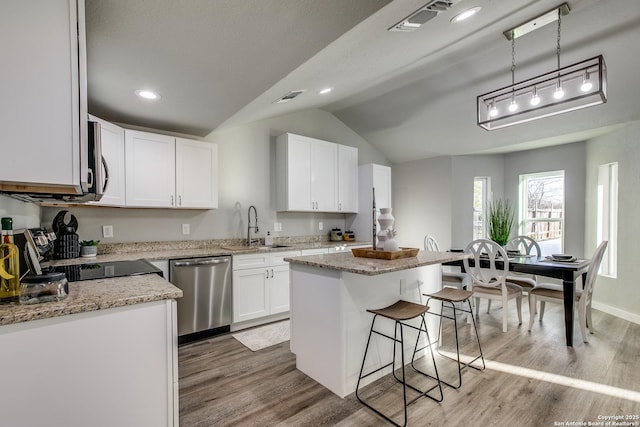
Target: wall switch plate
107	231
186	229
277	226
320	226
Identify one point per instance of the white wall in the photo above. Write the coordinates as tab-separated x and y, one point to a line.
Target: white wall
25	215
465	169
422	193
246	176
618	296
568	157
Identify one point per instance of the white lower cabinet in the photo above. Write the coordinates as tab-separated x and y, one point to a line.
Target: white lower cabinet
260	285
104	368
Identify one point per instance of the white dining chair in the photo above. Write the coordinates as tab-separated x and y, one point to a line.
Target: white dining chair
490	281
552	292
450	279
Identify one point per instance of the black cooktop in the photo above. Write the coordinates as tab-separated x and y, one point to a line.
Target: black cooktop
104	270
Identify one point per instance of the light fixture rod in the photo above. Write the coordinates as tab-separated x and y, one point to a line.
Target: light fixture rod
537	22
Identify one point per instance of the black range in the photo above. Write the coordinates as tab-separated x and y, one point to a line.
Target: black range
103	270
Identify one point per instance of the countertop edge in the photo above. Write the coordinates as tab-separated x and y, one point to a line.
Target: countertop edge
349	263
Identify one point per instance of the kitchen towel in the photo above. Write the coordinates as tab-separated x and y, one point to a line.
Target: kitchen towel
264	336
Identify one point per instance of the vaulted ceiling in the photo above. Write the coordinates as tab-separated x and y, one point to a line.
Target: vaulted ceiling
411	95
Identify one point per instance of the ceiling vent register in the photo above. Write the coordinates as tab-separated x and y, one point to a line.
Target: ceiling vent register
422	15
289	96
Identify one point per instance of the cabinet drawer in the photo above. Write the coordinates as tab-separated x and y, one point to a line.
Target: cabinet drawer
242	262
277	258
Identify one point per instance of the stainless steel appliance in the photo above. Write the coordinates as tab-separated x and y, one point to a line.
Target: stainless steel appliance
205	307
93	180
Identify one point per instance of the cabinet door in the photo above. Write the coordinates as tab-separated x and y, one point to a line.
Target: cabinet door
196	174
250	294
41	101
150	169
112	137
324	176
347	179
382	183
299	177
279	289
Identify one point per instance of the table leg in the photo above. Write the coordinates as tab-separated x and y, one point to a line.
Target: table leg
569	298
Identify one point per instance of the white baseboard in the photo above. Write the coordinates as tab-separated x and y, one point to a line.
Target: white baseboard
631	317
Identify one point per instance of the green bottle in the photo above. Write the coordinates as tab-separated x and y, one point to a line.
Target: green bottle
9	264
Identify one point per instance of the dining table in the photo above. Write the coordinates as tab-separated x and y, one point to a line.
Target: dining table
567	271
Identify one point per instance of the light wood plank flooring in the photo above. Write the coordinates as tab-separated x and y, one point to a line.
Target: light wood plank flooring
532	379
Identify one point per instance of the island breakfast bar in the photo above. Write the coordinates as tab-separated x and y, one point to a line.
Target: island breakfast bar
329	298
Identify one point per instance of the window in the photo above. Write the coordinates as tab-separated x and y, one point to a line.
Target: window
542	209
480	201
607	217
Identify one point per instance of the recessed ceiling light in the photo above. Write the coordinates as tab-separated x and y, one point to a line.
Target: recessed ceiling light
325	90
465	14
147	94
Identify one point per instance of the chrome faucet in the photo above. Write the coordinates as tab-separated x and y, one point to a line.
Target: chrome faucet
250	241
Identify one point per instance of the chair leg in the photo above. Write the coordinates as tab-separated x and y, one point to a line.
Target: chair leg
504	314
583	323
488	305
541	310
589	320
532	310
519	308
402	380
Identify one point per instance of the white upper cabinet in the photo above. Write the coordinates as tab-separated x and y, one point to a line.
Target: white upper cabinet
380	177
196	174
347	179
370	176
43	94
166	172
112	138
324	176
150	165
307	171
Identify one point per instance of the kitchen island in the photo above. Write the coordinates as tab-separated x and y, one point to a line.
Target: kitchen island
329	322
104	356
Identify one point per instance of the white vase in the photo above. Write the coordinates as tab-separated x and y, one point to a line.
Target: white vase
391	245
386	220
382	237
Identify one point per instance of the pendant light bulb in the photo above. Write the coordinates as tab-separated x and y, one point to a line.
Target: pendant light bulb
559	93
535	99
513	107
493	111
586	83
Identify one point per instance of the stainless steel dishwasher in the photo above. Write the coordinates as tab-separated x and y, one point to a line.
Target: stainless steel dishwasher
205	308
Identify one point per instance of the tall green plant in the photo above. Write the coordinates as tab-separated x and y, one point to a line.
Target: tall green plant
500	220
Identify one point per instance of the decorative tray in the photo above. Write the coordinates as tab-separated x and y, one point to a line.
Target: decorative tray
371	253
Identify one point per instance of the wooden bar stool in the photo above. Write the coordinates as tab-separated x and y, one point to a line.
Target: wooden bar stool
449	298
399	312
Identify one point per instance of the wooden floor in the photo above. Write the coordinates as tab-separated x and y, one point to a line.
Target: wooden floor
532	379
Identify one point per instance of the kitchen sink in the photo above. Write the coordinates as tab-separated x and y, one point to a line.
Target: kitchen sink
253	248
273	246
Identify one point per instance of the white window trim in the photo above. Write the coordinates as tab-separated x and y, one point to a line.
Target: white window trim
607	217
522	197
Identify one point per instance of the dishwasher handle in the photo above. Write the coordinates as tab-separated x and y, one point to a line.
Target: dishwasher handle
197	262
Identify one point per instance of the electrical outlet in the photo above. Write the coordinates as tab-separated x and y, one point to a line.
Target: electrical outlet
107	231
186	229
320	226
277	226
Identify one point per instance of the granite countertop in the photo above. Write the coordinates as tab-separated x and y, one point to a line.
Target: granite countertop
149	252
92	295
345	261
